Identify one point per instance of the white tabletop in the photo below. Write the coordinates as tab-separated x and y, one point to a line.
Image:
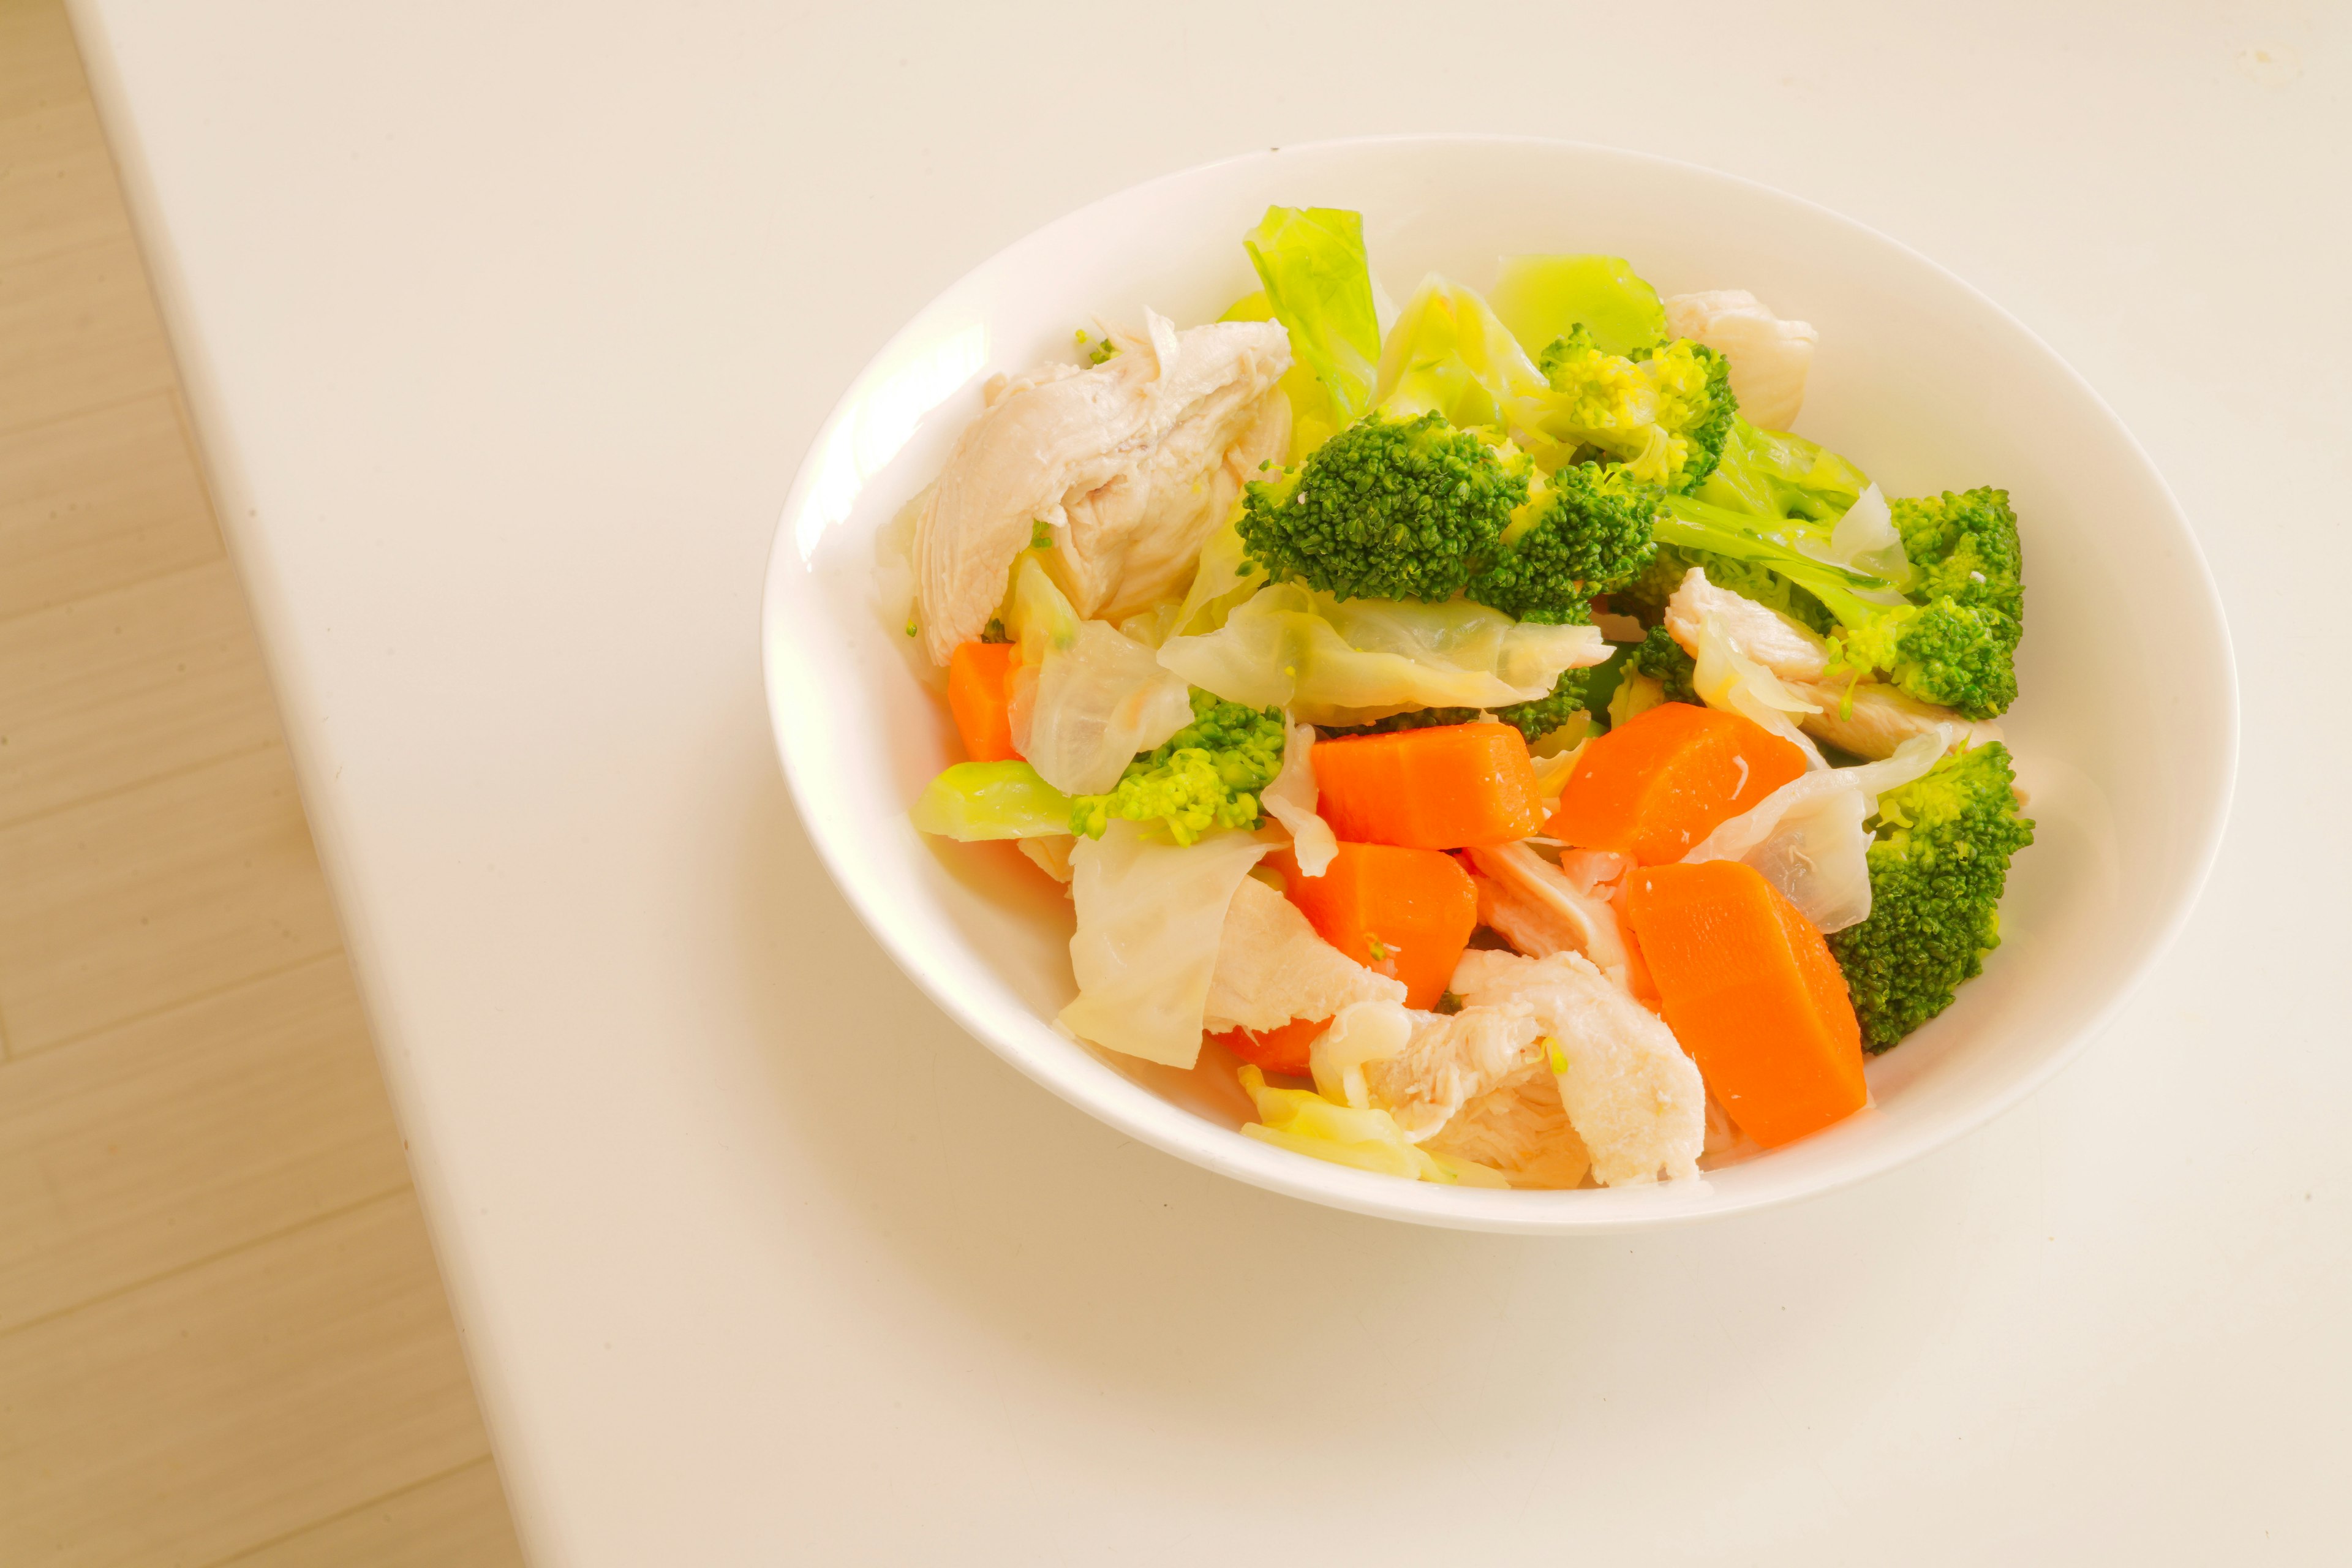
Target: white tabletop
506	329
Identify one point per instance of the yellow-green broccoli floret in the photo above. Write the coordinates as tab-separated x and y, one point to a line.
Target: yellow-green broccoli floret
1665	413
1389	508
1585	531
1206	775
1937	867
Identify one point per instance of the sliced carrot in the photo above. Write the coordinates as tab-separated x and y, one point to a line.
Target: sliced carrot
1283	1048
1404	913
1446	787
980	684
1751	992
1659	783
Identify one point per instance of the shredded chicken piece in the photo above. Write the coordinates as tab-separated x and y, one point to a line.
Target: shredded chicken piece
1272	967
1519	1128
1630	1093
1873	720
1769	357
1451	1059
1868	717
1130	464
1789	650
1540	911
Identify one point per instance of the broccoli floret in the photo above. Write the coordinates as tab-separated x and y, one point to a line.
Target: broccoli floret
1936	648
1965	546
1665	415
1938	866
1389	508
1943	650
1660	657
1207	774
1586	530
1696	406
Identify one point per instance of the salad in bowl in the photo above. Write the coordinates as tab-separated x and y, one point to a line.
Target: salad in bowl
1479	727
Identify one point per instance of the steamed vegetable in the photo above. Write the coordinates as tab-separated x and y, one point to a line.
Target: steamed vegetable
1369	1140
1584	531
991	800
1396	506
1751	990
1318	286
1405	914
978	691
1544	716
1541	297
1665	415
1283	1048
1808	838
1658	784
1085	699
1939	864
1954	650
1441	788
1149	916
1208	774
1337	662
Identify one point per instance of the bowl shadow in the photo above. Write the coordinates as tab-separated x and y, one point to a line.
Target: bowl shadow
1260	1320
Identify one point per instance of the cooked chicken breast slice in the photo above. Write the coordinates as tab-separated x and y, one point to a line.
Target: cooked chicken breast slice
1540	911
1769	357
1789	650
1519	1128
1632	1094
1136	540
1272	967
1128	458
1451	1059
1872	720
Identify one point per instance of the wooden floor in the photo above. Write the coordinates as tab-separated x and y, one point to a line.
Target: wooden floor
222	1337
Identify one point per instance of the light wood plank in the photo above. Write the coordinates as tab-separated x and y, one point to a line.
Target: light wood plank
39	64
229	1406
457	1521
185	1136
137	902
57	184
81	333
221	1332
121	689
97	500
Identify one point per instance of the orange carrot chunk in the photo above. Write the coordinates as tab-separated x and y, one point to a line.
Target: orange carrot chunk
1283	1048
1751	990
1659	783
1447	787
1404	913
980	680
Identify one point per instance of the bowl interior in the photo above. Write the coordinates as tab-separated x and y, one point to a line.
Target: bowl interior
2125	731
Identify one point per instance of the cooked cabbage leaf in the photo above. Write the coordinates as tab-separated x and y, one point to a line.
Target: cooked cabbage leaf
1540	297
1807	837
1149	916
1333	661
991	800
1087	698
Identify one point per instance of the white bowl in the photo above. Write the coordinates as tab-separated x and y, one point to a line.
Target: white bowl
2125	736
